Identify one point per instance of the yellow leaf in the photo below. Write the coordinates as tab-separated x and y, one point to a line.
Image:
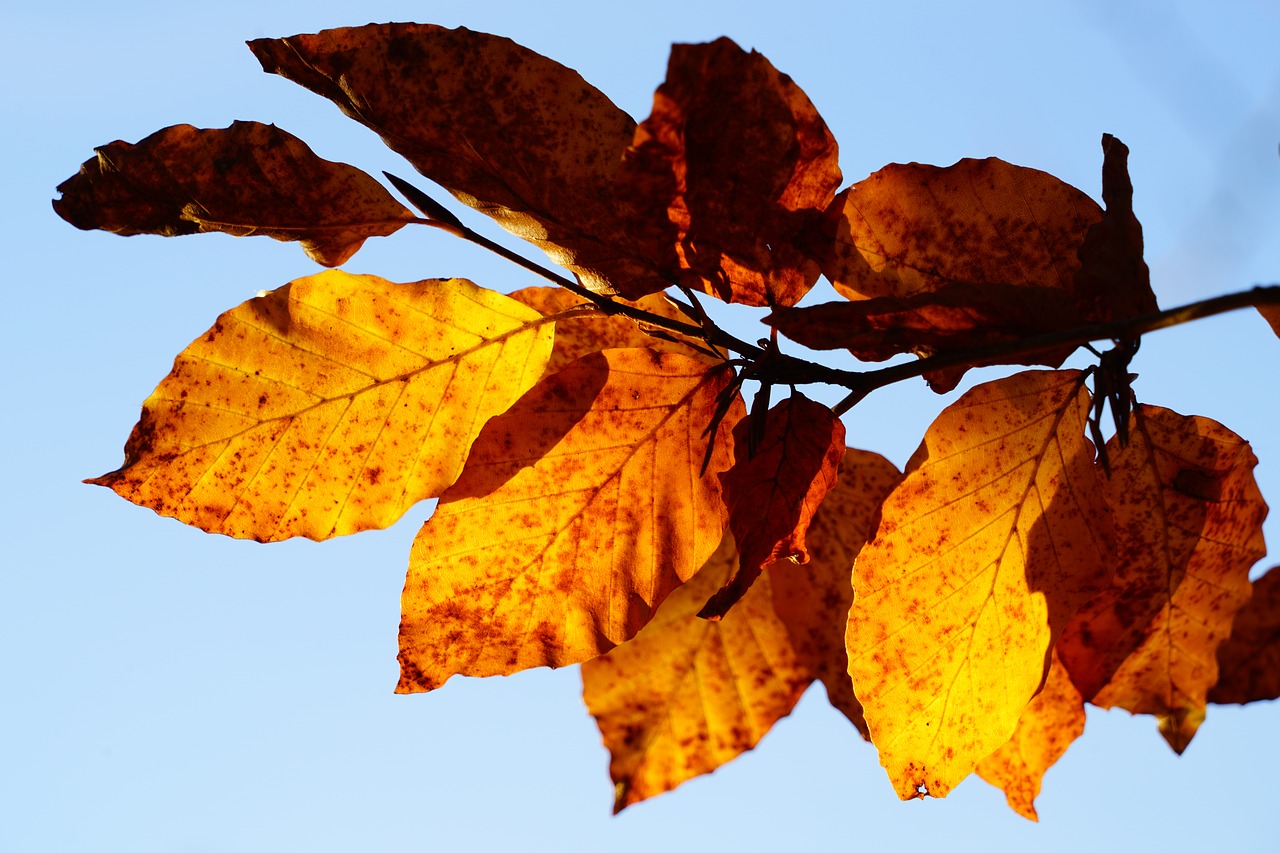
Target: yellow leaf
579	510
1053	720
995	537
329	406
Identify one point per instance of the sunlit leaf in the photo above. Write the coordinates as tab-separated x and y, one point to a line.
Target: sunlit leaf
578	511
995	537
1249	662
249	178
773	494
1053	720
506	130
329	406
1208	494
728	178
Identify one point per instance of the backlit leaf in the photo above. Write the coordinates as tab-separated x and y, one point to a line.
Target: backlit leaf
329	406
728	178
1249	662
773	494
1053	720
1272	315
578	511
507	131
995	537
246	179
1175	666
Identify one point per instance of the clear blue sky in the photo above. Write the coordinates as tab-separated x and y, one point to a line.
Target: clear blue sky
165	690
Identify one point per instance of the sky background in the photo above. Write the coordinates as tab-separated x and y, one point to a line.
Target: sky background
167	690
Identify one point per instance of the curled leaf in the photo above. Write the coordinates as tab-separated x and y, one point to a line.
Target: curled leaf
245	179
329	406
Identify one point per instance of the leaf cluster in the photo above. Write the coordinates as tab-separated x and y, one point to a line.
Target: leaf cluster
607	494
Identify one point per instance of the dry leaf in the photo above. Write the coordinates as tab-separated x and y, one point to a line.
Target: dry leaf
1249	662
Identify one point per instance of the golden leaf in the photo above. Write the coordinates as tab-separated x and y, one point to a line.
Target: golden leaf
329	406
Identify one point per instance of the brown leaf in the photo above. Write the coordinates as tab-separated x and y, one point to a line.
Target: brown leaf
1271	313
329	406
590	332
1207	495
507	131
773	495
1053	720
813	601
246	179
729	177
578	511
995	537
687	695
1249	662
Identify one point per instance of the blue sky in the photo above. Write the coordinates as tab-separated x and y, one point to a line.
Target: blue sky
169	690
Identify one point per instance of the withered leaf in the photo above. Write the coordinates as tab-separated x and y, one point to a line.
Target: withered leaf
1211	506
813	600
728	179
997	534
579	335
245	179
1051	723
506	130
579	510
773	494
329	406
1249	662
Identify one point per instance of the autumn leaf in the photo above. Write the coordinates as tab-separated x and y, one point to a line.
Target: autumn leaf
995	537
1271	313
773	494
245	179
579	334
329	406
1186	540
1051	723
727	181
507	131
1249	661
579	510
686	695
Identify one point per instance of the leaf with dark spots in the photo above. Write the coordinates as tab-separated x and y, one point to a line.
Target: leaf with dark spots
773	494
246	179
1249	662
579	509
728	180
329	406
813	600
994	538
1188	551
507	131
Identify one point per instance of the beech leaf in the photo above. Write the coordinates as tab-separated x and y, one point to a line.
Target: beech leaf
1249	661
507	131
245	179
773	494
579	510
329	406
996	535
1208	495
727	181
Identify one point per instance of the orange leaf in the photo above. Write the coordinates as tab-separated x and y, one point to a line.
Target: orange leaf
246	179
686	695
1271	313
730	176
507	131
995	537
1249	662
1053	720
591	331
1209	495
814	601
578	511
329	406
773	495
